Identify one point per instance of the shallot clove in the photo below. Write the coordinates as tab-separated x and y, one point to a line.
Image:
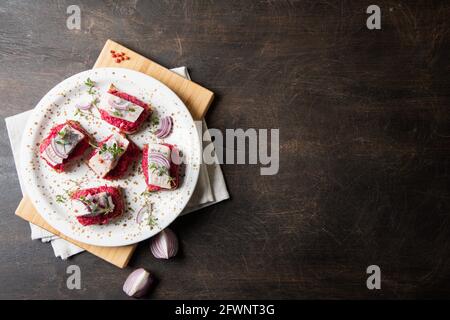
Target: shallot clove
138	283
164	245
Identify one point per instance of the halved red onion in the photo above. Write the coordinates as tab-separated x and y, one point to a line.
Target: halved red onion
138	283
164	245
118	103
165	127
56	151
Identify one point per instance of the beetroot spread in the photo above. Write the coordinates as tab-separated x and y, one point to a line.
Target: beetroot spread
116	196
124	125
79	150
174	172
125	161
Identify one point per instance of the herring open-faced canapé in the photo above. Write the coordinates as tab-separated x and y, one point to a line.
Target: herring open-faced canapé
64	143
113	157
122	110
97	205
160	165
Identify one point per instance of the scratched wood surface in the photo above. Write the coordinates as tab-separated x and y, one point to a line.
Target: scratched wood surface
364	145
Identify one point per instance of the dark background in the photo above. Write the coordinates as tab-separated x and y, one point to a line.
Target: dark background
364	145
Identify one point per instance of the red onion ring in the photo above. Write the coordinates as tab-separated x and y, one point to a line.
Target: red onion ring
56	151
158	158
51	156
118	106
140	214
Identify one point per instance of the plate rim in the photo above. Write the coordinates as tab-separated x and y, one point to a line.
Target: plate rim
23	148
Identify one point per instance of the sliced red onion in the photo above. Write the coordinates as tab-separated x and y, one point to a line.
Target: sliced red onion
138	283
103	201
52	157
141	213
118	104
160	159
56	151
164	245
165	127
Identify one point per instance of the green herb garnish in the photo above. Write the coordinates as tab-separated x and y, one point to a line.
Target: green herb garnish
154	120
95	102
62	133
60	198
117	113
145	193
63	138
114	150
85	200
95	206
160	170
152	221
91	84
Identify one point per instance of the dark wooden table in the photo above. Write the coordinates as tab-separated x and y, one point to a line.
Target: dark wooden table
364	145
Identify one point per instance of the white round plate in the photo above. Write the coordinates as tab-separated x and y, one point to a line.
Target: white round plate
44	186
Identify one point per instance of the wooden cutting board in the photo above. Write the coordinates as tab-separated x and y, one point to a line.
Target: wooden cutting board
197	100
